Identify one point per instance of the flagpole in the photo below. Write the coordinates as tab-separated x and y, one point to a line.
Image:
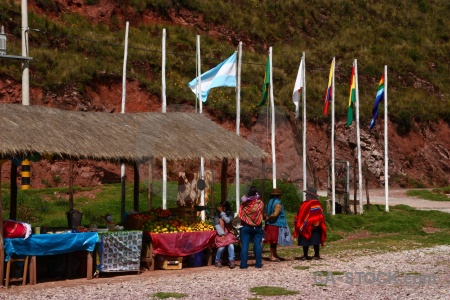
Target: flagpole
333	184
358	140
164	105
163	72
272	105
124	96
199	80
200	94
304	124
386	158
238	121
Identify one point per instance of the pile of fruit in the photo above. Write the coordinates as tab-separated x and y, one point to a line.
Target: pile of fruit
162	213
176	224
152	215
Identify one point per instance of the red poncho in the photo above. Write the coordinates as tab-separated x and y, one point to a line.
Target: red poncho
309	216
251	212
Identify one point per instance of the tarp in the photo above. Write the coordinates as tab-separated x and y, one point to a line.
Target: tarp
50	244
182	243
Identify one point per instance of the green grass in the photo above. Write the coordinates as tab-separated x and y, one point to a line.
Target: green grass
271	291
167	295
301	267
438	194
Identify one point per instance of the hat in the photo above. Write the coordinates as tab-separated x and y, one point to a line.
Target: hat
252	191
311	191
276	192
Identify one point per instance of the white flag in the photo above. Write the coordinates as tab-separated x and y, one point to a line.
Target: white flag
298	87
224	74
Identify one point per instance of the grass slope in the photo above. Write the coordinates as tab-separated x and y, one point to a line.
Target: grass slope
411	37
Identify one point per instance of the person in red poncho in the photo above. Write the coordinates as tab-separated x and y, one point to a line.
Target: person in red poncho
309	224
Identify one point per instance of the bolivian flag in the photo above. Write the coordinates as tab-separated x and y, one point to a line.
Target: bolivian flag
351	98
328	94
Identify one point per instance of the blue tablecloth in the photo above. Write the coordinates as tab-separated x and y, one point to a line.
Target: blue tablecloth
50	244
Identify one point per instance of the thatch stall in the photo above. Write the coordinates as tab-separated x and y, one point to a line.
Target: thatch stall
131	137
122	138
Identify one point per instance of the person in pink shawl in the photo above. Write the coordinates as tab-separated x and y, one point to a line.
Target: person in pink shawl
251	215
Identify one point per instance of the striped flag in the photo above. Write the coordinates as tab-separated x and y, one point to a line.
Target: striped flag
351	98
265	87
376	104
224	74
328	94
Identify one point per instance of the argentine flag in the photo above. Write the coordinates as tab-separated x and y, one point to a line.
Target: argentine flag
224	74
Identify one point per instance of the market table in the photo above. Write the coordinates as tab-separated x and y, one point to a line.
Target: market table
180	244
119	251
51	244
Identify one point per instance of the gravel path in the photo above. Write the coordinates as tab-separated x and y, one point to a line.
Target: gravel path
411	274
398	196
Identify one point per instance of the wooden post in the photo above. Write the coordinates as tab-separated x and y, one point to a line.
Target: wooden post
355	186
152	266
136	188
89	264
211	164
224	180
366	170
123	192
70	184
32	270
2	252
263	180
150	185
13	201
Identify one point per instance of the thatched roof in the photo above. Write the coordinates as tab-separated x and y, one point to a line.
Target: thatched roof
116	137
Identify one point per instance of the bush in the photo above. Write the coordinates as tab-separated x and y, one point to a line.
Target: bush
404	122
291	197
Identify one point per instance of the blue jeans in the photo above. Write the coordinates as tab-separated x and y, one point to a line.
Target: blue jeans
251	233
230	252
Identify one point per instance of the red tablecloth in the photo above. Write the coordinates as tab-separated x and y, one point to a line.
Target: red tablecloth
182	243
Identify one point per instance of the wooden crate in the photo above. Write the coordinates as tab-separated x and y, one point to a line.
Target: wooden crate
185	212
134	224
169	262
